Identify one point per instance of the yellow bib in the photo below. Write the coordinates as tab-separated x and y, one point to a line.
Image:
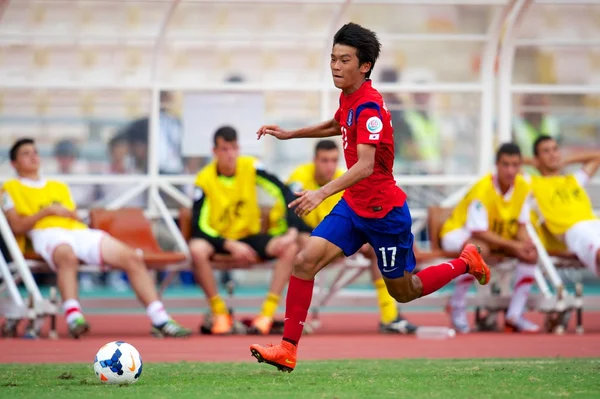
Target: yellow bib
30	200
561	201
303	178
503	214
233	210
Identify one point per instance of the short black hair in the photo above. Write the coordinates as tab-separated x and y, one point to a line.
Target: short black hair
18	144
538	141
508	149
227	133
365	42
117	139
325	145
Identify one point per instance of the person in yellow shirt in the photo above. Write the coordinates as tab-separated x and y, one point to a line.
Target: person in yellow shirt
43	212
226	219
315	174
563	213
493	215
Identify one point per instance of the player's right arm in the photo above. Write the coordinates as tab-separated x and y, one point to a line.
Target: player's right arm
324	129
20	224
201	228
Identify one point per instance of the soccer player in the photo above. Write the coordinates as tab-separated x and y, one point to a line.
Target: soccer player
493	215
227	220
561	205
373	208
316	174
43	211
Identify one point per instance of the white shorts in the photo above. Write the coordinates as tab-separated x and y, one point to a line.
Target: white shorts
455	240
583	239
85	244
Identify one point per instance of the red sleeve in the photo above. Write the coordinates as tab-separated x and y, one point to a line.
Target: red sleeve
337	115
369	126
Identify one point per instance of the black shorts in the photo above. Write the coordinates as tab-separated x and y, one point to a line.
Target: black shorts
257	242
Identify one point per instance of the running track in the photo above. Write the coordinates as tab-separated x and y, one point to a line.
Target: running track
343	336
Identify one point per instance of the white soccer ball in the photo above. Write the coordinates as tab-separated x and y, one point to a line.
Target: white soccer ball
118	363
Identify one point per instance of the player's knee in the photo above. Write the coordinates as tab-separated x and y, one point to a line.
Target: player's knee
65	257
133	260
200	249
289	251
304	267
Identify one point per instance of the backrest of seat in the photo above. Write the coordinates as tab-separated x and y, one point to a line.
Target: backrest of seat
185	222
436	216
128	225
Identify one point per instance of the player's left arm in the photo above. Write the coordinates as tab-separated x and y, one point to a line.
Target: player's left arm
362	169
369	131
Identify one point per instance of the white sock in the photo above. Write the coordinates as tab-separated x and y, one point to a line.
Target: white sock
157	313
524	279
72	310
461	287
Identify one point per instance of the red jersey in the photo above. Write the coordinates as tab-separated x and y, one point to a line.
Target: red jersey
364	119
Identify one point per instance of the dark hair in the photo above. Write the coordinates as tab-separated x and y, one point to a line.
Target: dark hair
538	141
363	40
508	149
117	139
18	144
325	145
227	133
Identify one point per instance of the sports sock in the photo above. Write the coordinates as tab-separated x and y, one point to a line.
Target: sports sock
72	310
218	305
387	305
523	281
157	313
435	277
270	305
297	303
461	288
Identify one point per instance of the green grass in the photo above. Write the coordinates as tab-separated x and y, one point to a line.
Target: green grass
446	379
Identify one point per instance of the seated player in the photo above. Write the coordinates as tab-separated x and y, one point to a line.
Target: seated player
316	174
43	211
373	209
562	209
493	216
226	220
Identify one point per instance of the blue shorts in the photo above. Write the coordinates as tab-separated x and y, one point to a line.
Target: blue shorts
390	236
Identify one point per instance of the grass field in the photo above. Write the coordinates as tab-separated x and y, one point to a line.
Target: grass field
489	378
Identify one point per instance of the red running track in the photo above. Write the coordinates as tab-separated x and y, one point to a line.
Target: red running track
343	336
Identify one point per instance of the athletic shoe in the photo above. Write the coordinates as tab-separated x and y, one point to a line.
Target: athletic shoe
521	325
282	356
476	266
261	325
398	326
458	317
78	327
170	329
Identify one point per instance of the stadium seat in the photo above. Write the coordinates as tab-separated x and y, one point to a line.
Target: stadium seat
130	226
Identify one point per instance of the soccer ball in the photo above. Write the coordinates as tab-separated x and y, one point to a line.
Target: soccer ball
118	363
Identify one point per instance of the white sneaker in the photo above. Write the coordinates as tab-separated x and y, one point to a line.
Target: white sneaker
521	325
458	316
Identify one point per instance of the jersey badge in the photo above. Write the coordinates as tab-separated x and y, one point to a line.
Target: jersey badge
350	118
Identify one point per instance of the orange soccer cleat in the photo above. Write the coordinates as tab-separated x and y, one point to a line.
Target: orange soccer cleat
222	324
282	356
476	266
261	325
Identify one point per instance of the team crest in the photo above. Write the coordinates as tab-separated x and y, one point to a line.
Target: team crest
350	117
374	125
